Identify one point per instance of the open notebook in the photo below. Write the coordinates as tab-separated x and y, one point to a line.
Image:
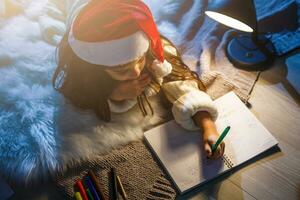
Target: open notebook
183	157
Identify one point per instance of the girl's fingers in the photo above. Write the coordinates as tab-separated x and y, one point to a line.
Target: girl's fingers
143	77
216	154
220	151
139	84
222	148
147	79
145	82
207	149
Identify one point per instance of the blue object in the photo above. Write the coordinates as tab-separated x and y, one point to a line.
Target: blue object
244	52
92	188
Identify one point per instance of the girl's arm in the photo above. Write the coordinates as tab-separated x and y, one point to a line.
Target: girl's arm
192	108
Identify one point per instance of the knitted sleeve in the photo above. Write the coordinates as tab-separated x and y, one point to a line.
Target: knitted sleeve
187	100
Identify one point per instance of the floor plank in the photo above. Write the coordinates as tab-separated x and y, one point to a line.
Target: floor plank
217	189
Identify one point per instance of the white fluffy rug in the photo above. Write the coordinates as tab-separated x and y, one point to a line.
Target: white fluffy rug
39	131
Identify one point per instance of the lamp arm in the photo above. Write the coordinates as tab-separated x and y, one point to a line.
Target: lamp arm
255	32
262	46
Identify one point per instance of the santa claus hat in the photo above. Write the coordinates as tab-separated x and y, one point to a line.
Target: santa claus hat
114	32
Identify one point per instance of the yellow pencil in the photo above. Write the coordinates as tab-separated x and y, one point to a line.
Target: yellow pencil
78	196
121	187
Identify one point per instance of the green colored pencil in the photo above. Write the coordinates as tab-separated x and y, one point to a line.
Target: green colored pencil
90	196
220	139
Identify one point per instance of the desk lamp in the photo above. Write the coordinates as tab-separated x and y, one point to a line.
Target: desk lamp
248	50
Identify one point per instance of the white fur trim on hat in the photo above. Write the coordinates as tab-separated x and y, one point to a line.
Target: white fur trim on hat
189	104
160	69
113	52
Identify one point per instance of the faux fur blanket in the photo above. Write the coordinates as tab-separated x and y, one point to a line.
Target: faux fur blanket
40	132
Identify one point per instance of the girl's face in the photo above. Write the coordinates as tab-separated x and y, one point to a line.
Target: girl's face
129	71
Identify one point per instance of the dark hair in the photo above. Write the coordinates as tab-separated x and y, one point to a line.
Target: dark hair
88	86
180	71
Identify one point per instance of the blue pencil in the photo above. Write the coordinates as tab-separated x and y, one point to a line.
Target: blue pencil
90	185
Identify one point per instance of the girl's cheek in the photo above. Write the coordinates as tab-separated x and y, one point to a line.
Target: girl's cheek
124	77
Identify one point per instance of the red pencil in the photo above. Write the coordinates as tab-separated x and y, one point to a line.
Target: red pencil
81	189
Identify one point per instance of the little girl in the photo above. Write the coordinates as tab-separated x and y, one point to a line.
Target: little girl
112	58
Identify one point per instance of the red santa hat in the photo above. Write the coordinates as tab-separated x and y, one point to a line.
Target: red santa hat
114	32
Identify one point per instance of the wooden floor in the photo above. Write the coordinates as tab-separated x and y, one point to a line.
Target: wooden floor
276	175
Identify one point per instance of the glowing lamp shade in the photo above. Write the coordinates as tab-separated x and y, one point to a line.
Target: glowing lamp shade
238	14
229	21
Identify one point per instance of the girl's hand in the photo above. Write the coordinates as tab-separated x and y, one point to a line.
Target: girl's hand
130	89
210	137
210	134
